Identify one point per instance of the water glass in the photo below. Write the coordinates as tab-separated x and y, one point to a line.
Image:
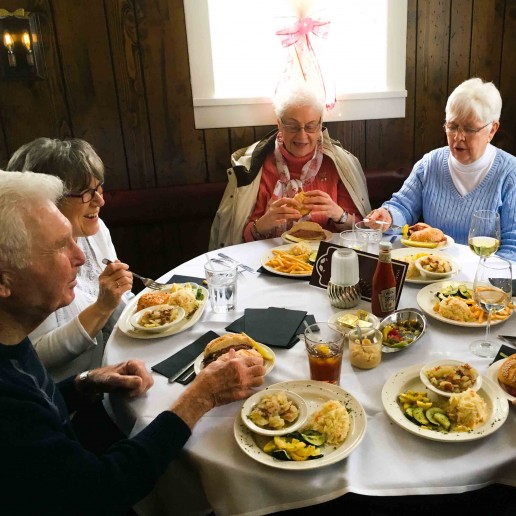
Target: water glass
353	240
324	346
371	237
221	276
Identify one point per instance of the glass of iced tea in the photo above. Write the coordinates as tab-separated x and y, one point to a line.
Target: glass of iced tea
325	347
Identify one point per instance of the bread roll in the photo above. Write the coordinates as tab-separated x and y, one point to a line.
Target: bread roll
307	231
507	375
300	198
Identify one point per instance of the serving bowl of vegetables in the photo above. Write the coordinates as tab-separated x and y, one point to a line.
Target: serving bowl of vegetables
402	329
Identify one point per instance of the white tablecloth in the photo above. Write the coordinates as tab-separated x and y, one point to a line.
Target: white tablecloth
214	472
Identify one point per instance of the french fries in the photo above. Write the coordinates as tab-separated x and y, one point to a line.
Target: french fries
284	262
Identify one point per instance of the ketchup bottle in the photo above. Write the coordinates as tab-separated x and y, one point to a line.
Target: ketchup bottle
383	298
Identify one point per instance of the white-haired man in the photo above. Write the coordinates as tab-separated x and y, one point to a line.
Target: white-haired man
45	470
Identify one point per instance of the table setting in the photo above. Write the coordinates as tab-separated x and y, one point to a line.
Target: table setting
384	453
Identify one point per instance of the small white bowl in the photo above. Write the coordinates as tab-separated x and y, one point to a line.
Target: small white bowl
250	403
156	329
427	367
436	275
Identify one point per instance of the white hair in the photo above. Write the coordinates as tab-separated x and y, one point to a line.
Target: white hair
19	191
474	99
296	95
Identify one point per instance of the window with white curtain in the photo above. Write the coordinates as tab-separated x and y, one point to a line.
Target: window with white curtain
236	58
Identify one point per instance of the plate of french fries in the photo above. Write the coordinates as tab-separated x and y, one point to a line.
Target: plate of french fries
290	260
460	312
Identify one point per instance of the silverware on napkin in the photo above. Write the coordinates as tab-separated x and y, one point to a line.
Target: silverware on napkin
245	267
181	371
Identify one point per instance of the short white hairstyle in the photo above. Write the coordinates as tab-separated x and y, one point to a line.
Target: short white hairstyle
19	192
475	99
296	95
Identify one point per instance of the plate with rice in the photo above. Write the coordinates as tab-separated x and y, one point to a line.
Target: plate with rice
496	407
349	425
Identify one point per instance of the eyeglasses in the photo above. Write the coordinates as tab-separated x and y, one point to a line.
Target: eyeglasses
466	131
89	194
311	127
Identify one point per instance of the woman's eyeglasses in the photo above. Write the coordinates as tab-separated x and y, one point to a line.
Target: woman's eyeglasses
466	131
311	127
89	194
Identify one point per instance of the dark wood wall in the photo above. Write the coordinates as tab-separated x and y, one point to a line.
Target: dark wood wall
118	76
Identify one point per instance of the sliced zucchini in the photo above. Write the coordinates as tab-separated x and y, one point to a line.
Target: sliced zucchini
443	420
313	437
281	455
419	415
431	412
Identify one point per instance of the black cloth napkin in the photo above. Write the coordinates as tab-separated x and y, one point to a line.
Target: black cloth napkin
173	364
261	270
276	327
504	352
178	278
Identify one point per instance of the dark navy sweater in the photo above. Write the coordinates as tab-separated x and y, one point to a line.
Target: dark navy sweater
43	468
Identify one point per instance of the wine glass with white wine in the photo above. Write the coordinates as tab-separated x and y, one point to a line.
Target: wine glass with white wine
492	291
484	233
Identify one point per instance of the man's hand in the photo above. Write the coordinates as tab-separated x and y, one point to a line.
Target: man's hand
131	378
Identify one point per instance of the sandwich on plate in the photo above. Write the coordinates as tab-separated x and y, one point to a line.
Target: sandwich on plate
305	231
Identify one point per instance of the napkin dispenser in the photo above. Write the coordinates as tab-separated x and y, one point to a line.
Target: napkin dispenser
343	287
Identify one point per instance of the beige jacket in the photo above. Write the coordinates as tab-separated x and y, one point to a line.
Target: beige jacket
244	176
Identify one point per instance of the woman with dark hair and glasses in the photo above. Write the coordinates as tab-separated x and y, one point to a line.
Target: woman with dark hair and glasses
258	202
449	184
72	339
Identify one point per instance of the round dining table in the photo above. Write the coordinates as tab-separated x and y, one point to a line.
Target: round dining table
214	474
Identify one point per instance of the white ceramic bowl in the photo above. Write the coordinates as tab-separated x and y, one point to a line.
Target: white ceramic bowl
427	367
135	319
250	403
436	275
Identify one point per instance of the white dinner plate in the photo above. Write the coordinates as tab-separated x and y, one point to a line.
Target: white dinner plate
285	237
426	300
268	364
492	374
315	394
399	254
126	327
449	243
269	255
409	378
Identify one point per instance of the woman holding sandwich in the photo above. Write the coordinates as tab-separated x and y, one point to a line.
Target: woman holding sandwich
260	200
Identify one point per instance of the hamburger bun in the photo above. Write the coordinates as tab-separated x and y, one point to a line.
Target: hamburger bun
240	342
300	198
306	231
152	299
507	375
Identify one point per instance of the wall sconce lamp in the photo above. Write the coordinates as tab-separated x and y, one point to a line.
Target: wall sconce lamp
21	52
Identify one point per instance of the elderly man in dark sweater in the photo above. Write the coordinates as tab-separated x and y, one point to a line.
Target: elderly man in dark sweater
44	469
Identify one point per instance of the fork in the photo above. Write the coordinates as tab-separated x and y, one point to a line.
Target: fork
154	285
392	226
245	267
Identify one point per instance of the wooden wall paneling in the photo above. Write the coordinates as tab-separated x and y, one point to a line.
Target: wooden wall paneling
460	42
90	85
263	130
390	142
486	48
351	135
178	147
506	136
218	153
123	36
32	109
241	137
431	74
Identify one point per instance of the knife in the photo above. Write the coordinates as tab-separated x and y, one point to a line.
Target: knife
245	267
510	339
181	371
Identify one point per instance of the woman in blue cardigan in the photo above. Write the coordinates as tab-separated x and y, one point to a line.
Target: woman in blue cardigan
449	184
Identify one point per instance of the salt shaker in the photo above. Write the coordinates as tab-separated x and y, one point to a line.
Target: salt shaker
343	287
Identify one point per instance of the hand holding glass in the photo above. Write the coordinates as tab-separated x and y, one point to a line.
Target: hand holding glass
484	233
492	291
